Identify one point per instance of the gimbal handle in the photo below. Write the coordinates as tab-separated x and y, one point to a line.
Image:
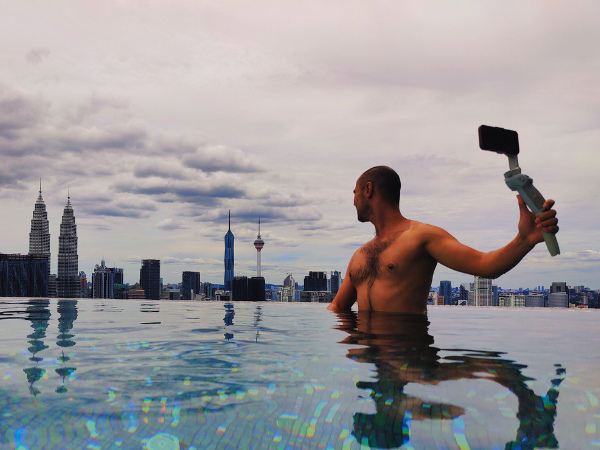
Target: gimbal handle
521	183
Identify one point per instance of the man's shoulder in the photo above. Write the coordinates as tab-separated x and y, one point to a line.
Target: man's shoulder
425	228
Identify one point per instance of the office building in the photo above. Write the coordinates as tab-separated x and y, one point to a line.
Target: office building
511	300
104	280
558	300
534	300
150	278
336	282
239	290
558	286
83	285
463	293
24	275
256	289
190	285
52	285
446	292
68	260
289	281
316	296
39	236
315	281
229	260
481	292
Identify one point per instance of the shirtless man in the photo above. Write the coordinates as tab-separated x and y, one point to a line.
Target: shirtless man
393	271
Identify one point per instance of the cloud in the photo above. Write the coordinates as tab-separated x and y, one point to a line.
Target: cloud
202	193
582	256
165	169
221	158
187	261
171	224
37	55
116	211
267	214
18	111
96	104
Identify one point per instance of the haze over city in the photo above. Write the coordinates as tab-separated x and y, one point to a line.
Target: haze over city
160	118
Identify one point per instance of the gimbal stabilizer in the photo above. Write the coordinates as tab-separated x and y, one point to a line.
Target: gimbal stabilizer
504	141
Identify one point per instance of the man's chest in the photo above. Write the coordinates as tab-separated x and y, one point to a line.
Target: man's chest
378	260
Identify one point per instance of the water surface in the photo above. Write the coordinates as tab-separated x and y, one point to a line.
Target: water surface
174	374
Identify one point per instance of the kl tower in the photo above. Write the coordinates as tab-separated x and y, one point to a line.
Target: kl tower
258	245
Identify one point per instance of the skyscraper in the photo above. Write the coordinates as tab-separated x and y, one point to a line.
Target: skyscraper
256	289
39	237
239	290
258	245
150	278
103	281
481	294
446	291
336	281
24	275
68	273
229	258
315	281
190	285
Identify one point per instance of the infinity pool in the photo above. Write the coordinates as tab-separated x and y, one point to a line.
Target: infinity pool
109	374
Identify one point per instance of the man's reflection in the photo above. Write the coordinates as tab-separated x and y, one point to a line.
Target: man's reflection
401	348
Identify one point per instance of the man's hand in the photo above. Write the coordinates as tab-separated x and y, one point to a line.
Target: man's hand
531	227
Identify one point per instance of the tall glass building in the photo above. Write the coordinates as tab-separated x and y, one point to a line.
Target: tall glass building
68	260
24	275
190	285
39	237
150	278
446	291
229	258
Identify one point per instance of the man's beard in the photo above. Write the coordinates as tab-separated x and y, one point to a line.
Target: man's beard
363	213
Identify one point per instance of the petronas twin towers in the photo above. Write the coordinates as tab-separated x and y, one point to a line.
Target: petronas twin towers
39	238
68	260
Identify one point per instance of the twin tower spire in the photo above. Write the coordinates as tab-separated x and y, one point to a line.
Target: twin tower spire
68	260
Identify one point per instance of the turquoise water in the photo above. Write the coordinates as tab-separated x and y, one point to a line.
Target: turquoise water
108	374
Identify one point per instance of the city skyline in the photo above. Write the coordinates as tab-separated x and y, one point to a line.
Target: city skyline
274	111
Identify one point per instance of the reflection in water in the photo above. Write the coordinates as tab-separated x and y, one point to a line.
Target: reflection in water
257	319
152	307
228	319
68	314
402	351
39	315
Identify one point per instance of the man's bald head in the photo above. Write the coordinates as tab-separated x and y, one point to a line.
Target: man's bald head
385	182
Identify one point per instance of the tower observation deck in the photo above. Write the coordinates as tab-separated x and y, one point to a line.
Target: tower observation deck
258	245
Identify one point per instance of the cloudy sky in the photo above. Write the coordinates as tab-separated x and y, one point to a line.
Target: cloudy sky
161	116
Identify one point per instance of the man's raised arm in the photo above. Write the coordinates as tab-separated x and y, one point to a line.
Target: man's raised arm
448	251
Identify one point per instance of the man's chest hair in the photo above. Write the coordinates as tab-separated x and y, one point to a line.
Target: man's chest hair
372	258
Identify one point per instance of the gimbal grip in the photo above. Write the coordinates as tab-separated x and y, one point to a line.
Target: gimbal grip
534	200
551	243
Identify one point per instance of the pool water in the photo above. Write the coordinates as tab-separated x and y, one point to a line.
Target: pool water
109	374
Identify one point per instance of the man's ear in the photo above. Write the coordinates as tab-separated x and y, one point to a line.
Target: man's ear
368	189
